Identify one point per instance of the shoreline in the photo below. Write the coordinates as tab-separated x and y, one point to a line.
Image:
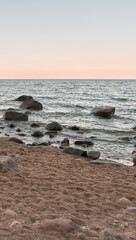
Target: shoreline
49	184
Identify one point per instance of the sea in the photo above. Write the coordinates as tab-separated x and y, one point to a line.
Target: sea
70	102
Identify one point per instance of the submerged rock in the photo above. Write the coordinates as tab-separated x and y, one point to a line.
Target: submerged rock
54	126
6	163
15	116
75	151
74	128
105	112
23	98
31	104
34	125
81	142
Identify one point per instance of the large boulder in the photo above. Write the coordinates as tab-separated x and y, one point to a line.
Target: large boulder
23	98
105	112
55	126
15	116
6	163
31	104
75	151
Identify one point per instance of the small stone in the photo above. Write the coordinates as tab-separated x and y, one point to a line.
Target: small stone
123	203
59	224
15	224
116	221
81	236
51	135
10	213
3	153
85	229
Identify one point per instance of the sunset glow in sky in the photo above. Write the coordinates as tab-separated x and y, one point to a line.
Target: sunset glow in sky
68	39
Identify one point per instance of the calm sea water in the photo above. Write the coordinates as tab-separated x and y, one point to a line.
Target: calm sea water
70	102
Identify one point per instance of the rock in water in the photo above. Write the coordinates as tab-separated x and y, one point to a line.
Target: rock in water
105	112
31	104
37	134
34	125
75	151
23	98
54	126
81	142
93	154
15	116
6	163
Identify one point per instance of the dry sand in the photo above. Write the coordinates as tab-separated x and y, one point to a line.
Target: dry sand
49	184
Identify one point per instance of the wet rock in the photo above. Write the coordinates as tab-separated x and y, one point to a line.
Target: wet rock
23	98
126	139
6	163
65	142
34	125
37	134
18	130
13	139
105	112
11	125
43	144
62	225
123	203
74	128
55	126
3	153
81	142
15	116
49	132
134	127
51	135
32	105
134	160
75	151
22	134
93	154
109	234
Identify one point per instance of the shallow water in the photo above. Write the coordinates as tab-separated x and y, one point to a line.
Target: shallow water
70	102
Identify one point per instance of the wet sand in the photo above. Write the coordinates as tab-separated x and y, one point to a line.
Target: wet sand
50	184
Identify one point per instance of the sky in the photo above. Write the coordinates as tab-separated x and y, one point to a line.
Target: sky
86	39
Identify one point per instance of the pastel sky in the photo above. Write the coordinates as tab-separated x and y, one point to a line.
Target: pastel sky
68	39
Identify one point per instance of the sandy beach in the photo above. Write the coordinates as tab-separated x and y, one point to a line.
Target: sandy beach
49	184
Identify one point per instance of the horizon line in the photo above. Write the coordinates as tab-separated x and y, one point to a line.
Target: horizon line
67	78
